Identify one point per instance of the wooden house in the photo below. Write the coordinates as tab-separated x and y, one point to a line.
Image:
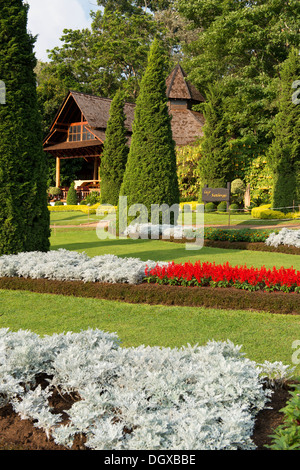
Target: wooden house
78	129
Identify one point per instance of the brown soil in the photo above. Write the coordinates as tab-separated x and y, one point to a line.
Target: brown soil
18	434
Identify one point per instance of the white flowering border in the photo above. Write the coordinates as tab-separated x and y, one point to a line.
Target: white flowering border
64	265
284	237
148	398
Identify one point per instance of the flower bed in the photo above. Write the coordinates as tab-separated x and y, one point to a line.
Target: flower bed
67	265
285	237
149	398
240	277
64	265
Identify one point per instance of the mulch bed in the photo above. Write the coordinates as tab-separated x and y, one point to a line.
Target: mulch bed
154	294
18	434
252	246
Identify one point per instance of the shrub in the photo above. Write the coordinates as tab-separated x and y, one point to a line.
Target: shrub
287	435
134	398
58	203
234	208
284	237
192	204
241	235
265	212
72	199
210	207
54	191
237	191
78	208
222	207
93	198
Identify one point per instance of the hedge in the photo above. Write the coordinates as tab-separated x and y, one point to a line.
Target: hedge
78	208
265	212
153	294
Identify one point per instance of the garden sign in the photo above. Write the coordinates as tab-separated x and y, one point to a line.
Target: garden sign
217	195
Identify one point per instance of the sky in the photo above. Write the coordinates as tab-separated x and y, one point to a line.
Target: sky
48	18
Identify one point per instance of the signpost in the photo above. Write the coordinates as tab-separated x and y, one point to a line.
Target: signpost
217	195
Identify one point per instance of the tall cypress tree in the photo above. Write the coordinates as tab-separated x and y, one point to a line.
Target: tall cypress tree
115	152
151	173
284	153
24	216
216	165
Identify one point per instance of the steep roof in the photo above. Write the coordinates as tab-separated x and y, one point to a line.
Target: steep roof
96	110
186	124
178	87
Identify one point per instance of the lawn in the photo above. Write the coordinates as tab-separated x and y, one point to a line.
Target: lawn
87	240
73	218
263	336
242	219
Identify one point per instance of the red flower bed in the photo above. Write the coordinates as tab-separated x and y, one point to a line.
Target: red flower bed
241	277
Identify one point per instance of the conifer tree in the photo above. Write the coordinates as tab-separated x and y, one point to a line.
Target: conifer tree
216	165
151	173
24	216
284	153
115	152
72	199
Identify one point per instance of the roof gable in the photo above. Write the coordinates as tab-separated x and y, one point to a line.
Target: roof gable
181	89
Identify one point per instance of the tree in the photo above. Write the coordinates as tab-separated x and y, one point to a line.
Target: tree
242	43
216	165
151	175
112	54
115	152
284	153
72	199
24	216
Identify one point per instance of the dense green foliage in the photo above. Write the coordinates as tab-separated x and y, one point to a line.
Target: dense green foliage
232	51
216	164
115	153
284	153
241	44
24	217
188	173
72	199
150	176
287	435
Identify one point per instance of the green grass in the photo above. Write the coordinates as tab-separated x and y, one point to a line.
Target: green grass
87	240
77	218
263	336
72	218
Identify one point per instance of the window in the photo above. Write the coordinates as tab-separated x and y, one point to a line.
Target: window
78	132
86	135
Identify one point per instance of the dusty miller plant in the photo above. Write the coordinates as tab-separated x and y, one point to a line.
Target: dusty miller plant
194	397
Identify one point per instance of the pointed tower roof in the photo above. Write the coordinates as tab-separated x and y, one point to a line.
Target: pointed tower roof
179	88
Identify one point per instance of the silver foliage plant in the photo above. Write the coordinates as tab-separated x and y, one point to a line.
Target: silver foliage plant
149	398
284	237
64	265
